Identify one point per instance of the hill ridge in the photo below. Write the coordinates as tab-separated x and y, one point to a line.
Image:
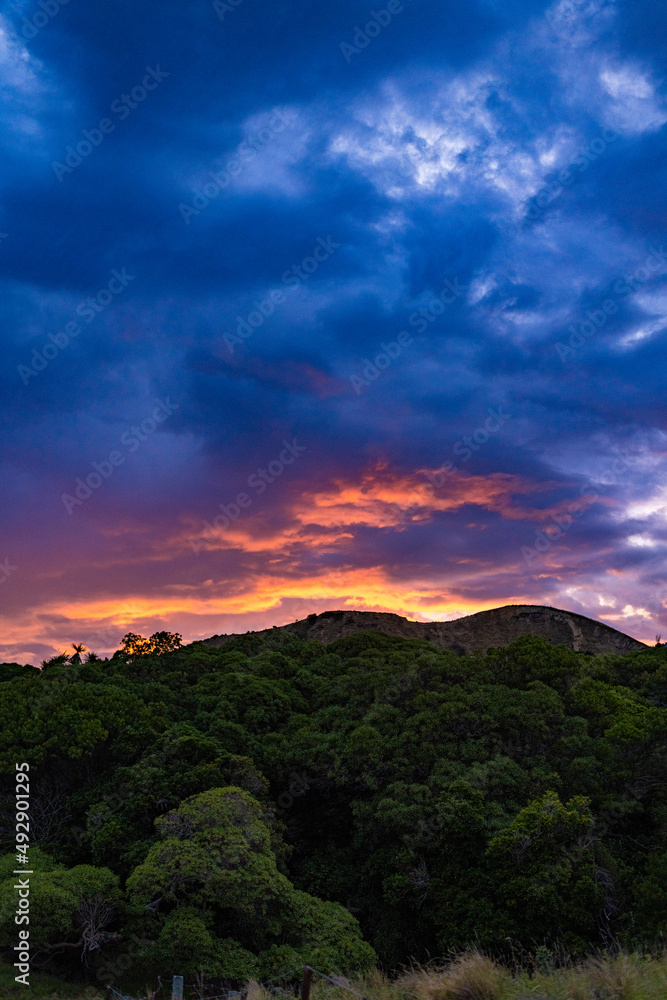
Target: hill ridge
469	634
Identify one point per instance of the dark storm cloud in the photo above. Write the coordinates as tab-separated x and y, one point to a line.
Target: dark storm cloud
433	151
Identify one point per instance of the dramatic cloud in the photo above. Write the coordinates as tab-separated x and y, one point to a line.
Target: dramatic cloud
310	308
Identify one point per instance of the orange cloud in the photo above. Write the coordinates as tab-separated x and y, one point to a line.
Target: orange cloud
282	552
327	518
364	589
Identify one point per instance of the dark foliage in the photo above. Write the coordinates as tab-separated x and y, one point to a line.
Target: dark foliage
240	808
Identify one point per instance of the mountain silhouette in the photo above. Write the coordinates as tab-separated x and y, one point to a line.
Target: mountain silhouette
470	634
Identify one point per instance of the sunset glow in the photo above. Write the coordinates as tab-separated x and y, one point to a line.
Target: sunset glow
378	328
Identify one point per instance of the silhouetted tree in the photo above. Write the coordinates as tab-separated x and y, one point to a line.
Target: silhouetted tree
159	642
79	648
56	661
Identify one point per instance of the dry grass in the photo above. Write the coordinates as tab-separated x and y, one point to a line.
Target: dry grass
625	977
616	979
256	991
474	976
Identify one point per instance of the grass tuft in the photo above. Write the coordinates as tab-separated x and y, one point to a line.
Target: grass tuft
472	976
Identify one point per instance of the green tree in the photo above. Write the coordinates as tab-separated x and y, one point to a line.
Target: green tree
544	873
213	874
72	910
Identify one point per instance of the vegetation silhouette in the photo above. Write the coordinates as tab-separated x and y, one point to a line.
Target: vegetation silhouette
511	799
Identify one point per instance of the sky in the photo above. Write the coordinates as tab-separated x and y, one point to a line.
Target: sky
309	306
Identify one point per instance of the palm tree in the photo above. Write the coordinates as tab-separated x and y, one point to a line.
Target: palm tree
56	661
75	659
93	658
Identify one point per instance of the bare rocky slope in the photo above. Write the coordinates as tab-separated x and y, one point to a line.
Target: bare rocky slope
473	633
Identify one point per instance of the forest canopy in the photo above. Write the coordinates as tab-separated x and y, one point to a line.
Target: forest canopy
246	809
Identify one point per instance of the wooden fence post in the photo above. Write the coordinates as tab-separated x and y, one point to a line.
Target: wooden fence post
305	984
107	993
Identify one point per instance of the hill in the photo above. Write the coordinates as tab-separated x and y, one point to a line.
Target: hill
235	813
470	634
